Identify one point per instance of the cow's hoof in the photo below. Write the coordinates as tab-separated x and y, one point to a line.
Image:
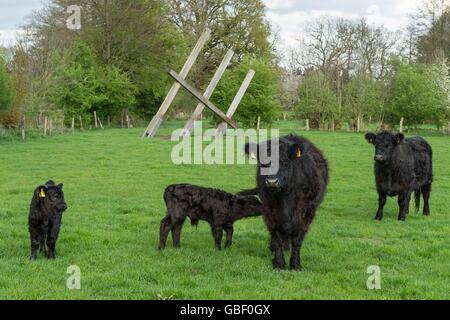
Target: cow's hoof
278	266
401	218
378	218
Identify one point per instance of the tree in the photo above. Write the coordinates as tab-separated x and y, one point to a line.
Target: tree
80	85
363	98
260	98
237	24
317	101
415	95
434	45
6	94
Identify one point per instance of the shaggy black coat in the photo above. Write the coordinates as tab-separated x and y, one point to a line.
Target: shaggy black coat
44	219
292	195
219	208
402	166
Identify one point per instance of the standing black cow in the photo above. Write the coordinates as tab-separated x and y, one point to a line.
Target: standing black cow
291	195
44	220
401	167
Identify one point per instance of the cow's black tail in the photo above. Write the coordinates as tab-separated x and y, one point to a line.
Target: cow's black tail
417	196
249	192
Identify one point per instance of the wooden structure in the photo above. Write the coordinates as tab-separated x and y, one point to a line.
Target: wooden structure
203	99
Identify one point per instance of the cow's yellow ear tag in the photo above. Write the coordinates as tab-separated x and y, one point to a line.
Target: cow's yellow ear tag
299	153
253	156
42	193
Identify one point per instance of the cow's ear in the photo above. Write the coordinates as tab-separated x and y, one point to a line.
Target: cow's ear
252	150
60	186
50	183
296	151
399	137
41	192
370	137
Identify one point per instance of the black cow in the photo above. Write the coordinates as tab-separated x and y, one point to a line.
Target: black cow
219	208
401	167
291	195
44	220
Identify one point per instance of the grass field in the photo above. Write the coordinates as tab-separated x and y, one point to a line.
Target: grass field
114	181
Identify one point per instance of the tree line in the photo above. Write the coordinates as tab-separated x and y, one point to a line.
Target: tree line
342	74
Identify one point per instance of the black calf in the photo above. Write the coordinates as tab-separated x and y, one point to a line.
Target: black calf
44	219
219	208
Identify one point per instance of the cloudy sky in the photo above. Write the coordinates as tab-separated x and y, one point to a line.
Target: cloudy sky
287	16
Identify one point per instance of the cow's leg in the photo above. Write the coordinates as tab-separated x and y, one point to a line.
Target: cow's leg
295	262
52	237
164	229
42	247
229	231
217	234
176	232
35	236
403	203
426	191
278	261
381	204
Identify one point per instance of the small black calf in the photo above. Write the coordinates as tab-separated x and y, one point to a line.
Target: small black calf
44	219
219	208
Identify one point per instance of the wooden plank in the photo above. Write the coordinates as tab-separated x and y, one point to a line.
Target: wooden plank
158	118
189	126
222	128
202	99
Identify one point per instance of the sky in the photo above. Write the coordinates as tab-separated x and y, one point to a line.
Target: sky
288	17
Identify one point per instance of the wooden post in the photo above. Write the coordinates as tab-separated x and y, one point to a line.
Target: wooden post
222	128
307	124
81	124
45	126
50	126
258	124
189	126
72	127
23	127
401	125
62	125
194	92
358	124
284	116
158	118
100	123
95	120
127	120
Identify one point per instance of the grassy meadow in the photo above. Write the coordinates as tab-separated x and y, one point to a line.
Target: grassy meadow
114	181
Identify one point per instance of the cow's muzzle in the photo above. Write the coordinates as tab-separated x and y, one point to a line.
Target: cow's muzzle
379	157
272	183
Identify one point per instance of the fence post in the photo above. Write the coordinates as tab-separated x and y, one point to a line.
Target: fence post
72	127
401	124
23	127
45	126
307	124
62	125
95	120
358	124
81	124
259	123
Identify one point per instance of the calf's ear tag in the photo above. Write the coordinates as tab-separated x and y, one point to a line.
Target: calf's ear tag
253	156
298	154
42	193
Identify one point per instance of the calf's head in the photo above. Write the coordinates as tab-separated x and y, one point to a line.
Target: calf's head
276	161
52	196
385	144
